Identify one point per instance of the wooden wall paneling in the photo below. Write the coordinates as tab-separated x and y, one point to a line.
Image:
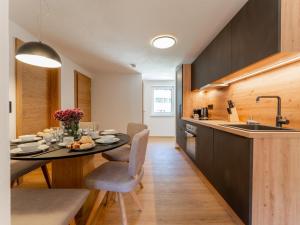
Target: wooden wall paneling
55	94
187	97
83	94
19	108
290	24
284	82
276	182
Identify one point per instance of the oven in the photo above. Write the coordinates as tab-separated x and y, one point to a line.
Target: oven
191	134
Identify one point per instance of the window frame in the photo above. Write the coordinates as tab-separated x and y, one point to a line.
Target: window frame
163	114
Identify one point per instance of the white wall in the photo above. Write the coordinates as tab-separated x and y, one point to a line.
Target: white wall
67	74
4	153
116	100
159	126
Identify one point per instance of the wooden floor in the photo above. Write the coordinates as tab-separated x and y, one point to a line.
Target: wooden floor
175	192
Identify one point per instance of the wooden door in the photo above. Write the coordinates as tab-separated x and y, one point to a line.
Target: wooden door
83	94
37	96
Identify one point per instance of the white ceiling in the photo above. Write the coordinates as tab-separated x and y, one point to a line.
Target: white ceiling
105	36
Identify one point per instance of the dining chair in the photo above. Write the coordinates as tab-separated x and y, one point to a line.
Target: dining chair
19	168
45	206
122	153
122	177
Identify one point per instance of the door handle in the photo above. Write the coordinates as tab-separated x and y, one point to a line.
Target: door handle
180	110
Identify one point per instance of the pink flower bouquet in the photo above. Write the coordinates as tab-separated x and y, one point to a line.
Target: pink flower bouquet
70	120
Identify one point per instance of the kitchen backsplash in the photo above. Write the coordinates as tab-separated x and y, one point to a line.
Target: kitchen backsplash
284	82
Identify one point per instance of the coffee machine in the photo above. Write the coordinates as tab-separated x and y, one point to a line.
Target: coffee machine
201	113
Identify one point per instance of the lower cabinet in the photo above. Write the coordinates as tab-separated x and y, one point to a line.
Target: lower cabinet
226	160
232	173
204	150
180	134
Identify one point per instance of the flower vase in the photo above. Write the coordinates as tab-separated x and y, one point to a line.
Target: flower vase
72	129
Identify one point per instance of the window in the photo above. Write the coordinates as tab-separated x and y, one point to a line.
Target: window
163	100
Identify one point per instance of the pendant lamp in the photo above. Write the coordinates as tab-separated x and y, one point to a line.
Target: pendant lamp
37	53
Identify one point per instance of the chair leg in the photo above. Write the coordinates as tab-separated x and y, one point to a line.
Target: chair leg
12	183
46	175
106	199
141	185
122	209
136	200
73	222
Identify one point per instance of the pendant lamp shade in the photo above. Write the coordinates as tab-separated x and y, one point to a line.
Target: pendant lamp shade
38	54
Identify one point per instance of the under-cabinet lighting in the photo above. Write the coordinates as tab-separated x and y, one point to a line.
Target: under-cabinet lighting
264	69
213	85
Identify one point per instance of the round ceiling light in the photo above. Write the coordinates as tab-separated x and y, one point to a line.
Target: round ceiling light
38	54
163	41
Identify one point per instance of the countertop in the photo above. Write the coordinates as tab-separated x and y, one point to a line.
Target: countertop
217	124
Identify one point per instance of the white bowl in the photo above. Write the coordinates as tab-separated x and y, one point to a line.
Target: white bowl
68	140
28	137
107	136
107	141
29	146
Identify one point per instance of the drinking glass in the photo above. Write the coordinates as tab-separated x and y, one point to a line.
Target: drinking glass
48	139
55	133
60	133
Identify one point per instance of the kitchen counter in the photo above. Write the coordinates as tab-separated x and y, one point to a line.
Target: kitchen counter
249	168
217	124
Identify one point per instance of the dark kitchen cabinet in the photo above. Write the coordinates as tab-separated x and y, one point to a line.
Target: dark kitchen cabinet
214	61
232	173
180	124
259	30
255	33
200	71
204	150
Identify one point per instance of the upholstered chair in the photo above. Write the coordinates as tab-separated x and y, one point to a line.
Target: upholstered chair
122	177
46	206
19	168
122	153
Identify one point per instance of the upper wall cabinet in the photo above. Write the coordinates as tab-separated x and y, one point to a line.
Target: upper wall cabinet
254	33
215	61
261	29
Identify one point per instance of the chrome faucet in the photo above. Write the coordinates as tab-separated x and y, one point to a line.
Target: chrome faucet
279	119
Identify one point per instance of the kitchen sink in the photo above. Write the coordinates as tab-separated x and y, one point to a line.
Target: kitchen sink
258	127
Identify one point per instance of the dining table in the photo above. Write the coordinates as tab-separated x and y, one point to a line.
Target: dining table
70	167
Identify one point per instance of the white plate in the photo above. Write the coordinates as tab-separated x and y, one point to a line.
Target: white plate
107	141
62	144
27	137
29	146
31	151
21	141
107	132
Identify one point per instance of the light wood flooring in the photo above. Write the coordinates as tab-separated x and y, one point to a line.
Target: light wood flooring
175	192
